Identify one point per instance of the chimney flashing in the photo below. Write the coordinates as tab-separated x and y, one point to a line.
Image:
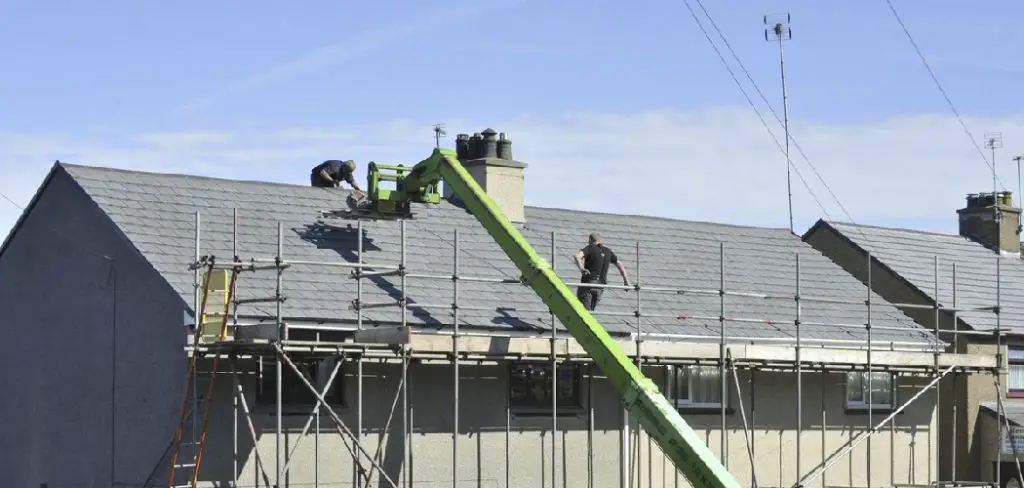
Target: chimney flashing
506	163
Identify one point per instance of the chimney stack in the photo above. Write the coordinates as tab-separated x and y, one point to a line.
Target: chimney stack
487	156
990	219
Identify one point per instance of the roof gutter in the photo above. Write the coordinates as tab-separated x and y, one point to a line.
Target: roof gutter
631	336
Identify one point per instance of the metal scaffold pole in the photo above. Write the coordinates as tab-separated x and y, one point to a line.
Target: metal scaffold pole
554	383
724	395
197	332
406	439
234	374
455	358
999	355
639	362
799	376
935	356
590	426
357	478
956	396
281	336
870	374
824	423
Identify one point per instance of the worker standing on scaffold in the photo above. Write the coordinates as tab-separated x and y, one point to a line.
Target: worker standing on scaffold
593	261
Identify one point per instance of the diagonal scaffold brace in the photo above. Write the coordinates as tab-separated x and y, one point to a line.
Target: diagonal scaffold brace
334	416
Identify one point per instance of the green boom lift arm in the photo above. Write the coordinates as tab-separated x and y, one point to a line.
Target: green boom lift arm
641	396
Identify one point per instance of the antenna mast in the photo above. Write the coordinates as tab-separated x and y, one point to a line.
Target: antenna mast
1017	159
439	132
993	141
777	30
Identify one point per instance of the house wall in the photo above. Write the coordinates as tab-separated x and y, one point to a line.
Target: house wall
902	453
83	336
960	394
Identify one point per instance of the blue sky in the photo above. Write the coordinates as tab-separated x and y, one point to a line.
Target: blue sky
615	106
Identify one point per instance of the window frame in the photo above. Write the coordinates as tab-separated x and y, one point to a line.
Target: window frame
862	405
1012	361
566	404
672	373
294	394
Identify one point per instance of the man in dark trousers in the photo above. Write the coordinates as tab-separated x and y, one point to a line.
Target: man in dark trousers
332	172
593	262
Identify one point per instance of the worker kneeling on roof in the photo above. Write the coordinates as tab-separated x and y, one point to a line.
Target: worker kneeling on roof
332	172
593	261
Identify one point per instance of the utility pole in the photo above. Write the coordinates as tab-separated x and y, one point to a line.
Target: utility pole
439	132
777	30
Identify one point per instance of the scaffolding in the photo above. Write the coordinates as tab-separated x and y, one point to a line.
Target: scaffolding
398	348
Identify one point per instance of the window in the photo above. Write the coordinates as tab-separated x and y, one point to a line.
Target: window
1015	382
530	385
293	391
695	386
880	384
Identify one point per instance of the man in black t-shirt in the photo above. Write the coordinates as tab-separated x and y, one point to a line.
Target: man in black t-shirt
593	261
332	172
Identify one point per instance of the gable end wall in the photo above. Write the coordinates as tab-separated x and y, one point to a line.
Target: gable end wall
60	314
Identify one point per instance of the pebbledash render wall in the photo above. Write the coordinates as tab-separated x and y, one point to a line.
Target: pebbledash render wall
498	448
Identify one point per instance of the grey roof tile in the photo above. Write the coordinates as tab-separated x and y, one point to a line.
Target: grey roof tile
157	212
912	254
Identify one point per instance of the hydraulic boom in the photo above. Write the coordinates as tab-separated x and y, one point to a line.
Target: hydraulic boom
641	396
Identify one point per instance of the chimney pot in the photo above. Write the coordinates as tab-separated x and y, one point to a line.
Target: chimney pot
462	146
490	145
504	147
476	142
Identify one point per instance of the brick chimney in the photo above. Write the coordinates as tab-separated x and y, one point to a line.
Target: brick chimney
990	219
487	156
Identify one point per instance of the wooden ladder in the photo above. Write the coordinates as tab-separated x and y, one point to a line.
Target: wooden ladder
199	388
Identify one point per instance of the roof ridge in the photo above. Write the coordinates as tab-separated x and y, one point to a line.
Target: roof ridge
901	229
185	176
656	217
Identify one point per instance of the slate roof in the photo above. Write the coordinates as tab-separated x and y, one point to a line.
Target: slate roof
156	212
911	255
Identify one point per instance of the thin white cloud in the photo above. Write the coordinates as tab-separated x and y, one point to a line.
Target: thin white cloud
361	44
715	164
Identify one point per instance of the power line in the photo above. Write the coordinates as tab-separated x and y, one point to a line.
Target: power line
753	106
942	90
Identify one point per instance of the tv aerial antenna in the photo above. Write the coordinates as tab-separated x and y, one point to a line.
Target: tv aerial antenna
439	132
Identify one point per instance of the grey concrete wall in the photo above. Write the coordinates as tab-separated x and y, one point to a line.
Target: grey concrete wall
901	453
82	337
